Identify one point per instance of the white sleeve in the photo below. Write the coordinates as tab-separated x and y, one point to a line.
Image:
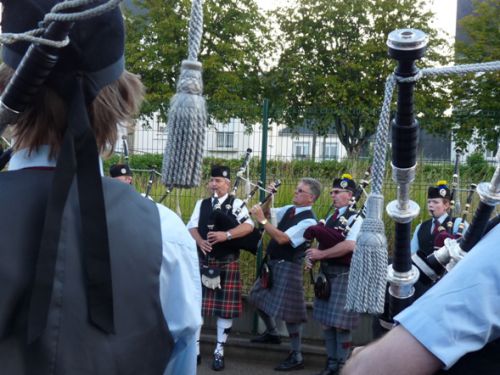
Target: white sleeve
195	216
180	291
244	212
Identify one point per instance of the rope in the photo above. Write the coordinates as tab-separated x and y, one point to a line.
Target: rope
187	116
367	280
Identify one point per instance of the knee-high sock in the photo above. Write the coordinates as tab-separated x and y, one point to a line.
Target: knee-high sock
223	329
295	333
269	322
344	343
330	335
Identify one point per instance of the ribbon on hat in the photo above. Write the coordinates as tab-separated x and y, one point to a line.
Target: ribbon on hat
78	156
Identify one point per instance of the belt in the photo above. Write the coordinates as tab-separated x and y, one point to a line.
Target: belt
226	258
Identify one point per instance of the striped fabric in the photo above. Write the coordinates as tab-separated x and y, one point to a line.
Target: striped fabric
225	302
285	299
332	313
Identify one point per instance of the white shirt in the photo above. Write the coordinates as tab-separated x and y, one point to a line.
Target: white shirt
181	305
296	232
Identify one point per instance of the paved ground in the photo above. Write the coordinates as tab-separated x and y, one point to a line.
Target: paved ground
245	358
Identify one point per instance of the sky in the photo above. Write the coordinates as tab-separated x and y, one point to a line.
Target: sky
445	11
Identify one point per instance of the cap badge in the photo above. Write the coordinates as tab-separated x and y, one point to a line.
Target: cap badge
442	192
343	184
224	173
123	171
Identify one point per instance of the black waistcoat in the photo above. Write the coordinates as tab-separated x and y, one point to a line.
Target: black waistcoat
344	260
287	251
222	249
426	238
70	345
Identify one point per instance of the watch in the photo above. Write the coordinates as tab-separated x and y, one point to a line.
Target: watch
229	236
263	222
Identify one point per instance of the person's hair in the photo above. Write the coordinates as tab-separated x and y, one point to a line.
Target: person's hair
45	120
314	185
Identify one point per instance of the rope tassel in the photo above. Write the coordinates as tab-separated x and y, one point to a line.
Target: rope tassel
187	116
368	275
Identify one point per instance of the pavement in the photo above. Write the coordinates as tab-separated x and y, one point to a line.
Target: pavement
245	358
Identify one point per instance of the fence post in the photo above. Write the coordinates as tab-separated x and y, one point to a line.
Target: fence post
263	162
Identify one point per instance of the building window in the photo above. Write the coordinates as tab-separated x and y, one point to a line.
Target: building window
301	150
225	139
330	151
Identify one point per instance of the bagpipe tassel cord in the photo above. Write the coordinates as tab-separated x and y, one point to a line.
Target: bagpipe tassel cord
367	278
187	116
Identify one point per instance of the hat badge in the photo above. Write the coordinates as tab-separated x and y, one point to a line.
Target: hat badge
123	171
343	184
442	192
224	173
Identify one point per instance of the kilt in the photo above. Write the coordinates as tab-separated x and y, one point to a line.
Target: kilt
285	299
224	302
331	313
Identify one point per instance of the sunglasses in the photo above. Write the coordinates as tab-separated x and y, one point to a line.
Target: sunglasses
302	191
336	191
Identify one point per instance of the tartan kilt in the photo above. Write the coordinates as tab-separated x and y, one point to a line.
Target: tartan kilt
285	299
224	302
331	313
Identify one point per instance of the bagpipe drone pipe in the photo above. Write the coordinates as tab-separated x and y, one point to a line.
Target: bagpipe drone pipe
408	277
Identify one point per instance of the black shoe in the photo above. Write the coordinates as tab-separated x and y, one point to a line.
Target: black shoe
218	362
331	368
198	360
290	363
266	338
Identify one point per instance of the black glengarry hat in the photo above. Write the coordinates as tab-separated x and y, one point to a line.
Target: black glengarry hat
345	182
95	51
220	171
120	170
441	190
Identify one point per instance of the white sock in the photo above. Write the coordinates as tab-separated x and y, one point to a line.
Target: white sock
223	328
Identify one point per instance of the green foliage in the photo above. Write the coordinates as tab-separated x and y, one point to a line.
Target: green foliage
334	57
478	166
232	46
477	96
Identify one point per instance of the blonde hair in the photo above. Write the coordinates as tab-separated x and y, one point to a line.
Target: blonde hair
45	120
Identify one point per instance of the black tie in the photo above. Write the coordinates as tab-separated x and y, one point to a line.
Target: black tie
215	202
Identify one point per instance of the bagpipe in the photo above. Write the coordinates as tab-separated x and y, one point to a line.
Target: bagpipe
409	276
330	236
455	184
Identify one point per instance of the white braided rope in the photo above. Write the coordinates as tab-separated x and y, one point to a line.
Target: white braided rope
31	36
195	30
366	288
187	117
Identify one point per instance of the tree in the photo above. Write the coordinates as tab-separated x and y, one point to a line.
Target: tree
477	99
232	47
333	65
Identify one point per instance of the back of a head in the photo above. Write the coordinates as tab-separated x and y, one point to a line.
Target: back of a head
95	54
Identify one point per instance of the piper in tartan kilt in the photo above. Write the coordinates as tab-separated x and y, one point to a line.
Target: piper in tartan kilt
215	251
337	323
285	253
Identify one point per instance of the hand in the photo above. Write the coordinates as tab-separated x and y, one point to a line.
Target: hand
314	254
257	213
205	247
216	237
308	263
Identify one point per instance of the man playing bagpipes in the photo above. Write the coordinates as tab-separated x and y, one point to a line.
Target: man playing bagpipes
95	279
283	297
430	234
219	257
335	247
